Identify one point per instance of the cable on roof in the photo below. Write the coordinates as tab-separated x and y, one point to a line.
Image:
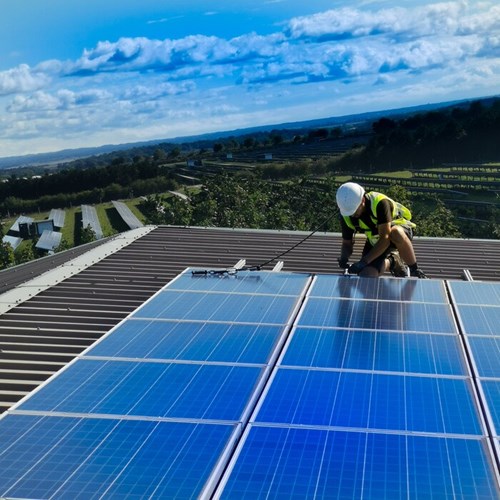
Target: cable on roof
234	270
258	267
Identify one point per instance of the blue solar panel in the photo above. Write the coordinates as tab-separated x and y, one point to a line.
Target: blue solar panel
243	282
491	390
376	401
486	352
239	308
190	391
479	320
475	293
43	457
373	350
385	289
221	342
278	462
362	390
369	314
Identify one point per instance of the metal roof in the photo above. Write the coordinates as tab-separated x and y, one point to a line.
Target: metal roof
53	308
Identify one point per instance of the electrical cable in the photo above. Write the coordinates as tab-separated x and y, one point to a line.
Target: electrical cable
258	267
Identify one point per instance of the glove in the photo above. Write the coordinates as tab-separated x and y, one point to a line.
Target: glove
357	267
343	263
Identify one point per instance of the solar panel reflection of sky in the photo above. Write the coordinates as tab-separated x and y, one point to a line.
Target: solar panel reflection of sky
268	385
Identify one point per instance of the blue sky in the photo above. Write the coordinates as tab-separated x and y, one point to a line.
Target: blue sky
87	73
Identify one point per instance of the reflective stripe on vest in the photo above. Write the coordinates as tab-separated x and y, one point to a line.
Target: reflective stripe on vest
401	216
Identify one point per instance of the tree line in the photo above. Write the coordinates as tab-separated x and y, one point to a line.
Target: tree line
465	133
248	202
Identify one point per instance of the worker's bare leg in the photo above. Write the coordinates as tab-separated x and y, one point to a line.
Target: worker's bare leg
403	244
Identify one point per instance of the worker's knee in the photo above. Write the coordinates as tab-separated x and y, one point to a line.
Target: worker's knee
398	235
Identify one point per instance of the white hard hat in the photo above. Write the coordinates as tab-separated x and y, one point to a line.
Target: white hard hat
349	197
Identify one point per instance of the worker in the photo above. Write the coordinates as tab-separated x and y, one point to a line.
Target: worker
388	229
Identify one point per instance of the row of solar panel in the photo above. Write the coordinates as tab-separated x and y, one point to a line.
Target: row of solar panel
338	415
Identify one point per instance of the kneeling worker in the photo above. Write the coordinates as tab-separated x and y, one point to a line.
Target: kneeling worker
386	224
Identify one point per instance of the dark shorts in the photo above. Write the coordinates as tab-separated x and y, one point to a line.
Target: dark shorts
379	262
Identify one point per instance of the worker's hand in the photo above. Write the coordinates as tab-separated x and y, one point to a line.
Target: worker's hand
357	267
343	263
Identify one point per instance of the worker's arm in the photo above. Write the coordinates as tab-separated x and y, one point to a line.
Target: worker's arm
345	252
384	240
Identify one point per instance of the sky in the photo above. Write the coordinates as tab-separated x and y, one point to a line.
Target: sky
88	73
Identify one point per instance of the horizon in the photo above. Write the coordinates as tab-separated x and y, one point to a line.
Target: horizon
90	75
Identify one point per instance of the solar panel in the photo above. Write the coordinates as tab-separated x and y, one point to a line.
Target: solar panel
287	462
58	216
49	240
71	457
376	350
430	291
220	307
263	384
478	313
90	218
127	215
22	219
199	341
12	240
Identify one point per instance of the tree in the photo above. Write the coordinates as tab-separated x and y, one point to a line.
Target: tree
439	223
400	194
64	245
24	253
6	255
87	234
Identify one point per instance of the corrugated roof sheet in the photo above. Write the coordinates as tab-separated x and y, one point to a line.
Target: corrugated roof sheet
40	335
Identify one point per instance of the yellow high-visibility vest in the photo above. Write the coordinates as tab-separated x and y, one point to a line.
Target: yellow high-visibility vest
401	216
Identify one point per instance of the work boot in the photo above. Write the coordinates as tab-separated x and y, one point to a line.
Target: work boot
397	266
418	273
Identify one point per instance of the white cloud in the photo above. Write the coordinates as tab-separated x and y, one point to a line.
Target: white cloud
22	79
361	57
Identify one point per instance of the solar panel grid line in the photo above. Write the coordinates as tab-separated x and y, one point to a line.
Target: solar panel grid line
202	321
371	430
373	372
167	361
368	329
117	416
